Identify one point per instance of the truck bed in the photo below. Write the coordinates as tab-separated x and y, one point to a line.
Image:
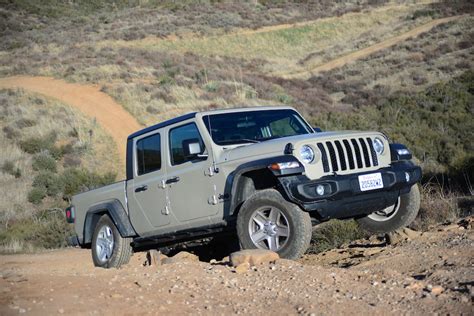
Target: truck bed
82	202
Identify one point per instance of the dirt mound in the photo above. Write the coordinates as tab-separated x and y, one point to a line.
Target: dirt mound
88	99
425	273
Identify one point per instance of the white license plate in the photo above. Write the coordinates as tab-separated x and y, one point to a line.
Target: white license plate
371	181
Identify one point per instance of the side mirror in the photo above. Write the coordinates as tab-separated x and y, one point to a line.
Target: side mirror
192	148
317	129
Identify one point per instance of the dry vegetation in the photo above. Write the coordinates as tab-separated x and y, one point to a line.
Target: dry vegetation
160	59
43	141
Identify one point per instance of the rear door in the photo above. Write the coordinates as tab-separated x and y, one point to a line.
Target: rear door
146	191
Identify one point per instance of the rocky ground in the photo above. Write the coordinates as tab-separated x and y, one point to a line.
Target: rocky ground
407	272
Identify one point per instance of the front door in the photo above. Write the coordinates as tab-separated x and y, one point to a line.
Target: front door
146	192
190	189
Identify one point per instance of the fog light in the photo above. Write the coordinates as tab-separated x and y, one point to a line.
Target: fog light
320	189
407	176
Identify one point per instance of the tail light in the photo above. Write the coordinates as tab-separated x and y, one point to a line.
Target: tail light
70	214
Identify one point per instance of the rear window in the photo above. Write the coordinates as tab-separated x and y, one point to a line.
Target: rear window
149	154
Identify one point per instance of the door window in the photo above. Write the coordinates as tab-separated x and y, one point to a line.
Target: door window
148	154
179	138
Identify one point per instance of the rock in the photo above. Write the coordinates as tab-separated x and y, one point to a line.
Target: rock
181	257
253	257
400	235
153	258
242	268
437	290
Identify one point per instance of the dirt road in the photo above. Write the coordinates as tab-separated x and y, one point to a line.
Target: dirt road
428	273
86	98
341	61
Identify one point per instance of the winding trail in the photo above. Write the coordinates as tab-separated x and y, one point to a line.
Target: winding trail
115	120
341	61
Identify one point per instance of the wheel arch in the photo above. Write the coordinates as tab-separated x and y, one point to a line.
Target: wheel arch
117	214
255	176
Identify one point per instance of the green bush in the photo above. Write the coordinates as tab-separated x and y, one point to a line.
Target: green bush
44	162
35	145
36	195
45	229
8	167
49	181
78	180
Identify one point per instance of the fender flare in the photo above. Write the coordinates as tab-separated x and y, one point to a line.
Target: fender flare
117	213
260	164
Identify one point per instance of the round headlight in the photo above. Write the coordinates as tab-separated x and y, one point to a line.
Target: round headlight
306	154
378	146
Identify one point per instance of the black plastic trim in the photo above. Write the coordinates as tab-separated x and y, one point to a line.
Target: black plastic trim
116	212
394	153
257	165
344	198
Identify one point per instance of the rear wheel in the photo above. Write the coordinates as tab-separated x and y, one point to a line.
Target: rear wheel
267	221
109	249
394	217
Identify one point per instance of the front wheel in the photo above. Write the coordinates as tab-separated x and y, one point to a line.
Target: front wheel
267	221
394	217
109	249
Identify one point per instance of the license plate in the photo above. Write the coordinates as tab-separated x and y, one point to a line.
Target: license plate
371	181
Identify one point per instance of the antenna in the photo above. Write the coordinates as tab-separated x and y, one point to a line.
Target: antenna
214	168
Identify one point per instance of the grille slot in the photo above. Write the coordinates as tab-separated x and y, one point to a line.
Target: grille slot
332	154
357	153
365	151
342	157
372	152
324	157
348	154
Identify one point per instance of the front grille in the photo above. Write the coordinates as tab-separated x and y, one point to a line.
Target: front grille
347	154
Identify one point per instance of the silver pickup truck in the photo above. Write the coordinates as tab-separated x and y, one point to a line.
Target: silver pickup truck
263	173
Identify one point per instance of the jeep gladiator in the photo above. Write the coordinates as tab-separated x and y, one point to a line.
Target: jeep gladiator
261	173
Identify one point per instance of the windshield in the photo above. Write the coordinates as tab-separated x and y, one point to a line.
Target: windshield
254	126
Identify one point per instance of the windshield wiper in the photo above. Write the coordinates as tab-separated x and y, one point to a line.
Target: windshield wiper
238	141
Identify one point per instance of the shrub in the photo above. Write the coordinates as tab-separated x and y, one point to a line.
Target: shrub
44	162
11	132
36	195
35	145
8	167
78	180
71	161
45	229
333	234
49	181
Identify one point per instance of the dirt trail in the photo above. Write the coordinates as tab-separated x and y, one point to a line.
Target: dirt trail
86	98
422	273
341	61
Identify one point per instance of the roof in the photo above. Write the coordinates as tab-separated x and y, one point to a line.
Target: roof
163	124
193	114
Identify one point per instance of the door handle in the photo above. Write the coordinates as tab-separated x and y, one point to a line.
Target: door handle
141	188
172	180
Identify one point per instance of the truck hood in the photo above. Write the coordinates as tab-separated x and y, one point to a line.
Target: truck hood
276	147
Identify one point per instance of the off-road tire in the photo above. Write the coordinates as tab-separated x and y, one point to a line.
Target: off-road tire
406	214
299	222
122	250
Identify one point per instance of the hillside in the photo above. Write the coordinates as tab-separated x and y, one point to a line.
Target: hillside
401	67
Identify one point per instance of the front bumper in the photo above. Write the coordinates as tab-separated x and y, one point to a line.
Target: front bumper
343	197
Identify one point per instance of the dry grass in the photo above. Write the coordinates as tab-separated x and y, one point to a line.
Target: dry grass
292	49
26	115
